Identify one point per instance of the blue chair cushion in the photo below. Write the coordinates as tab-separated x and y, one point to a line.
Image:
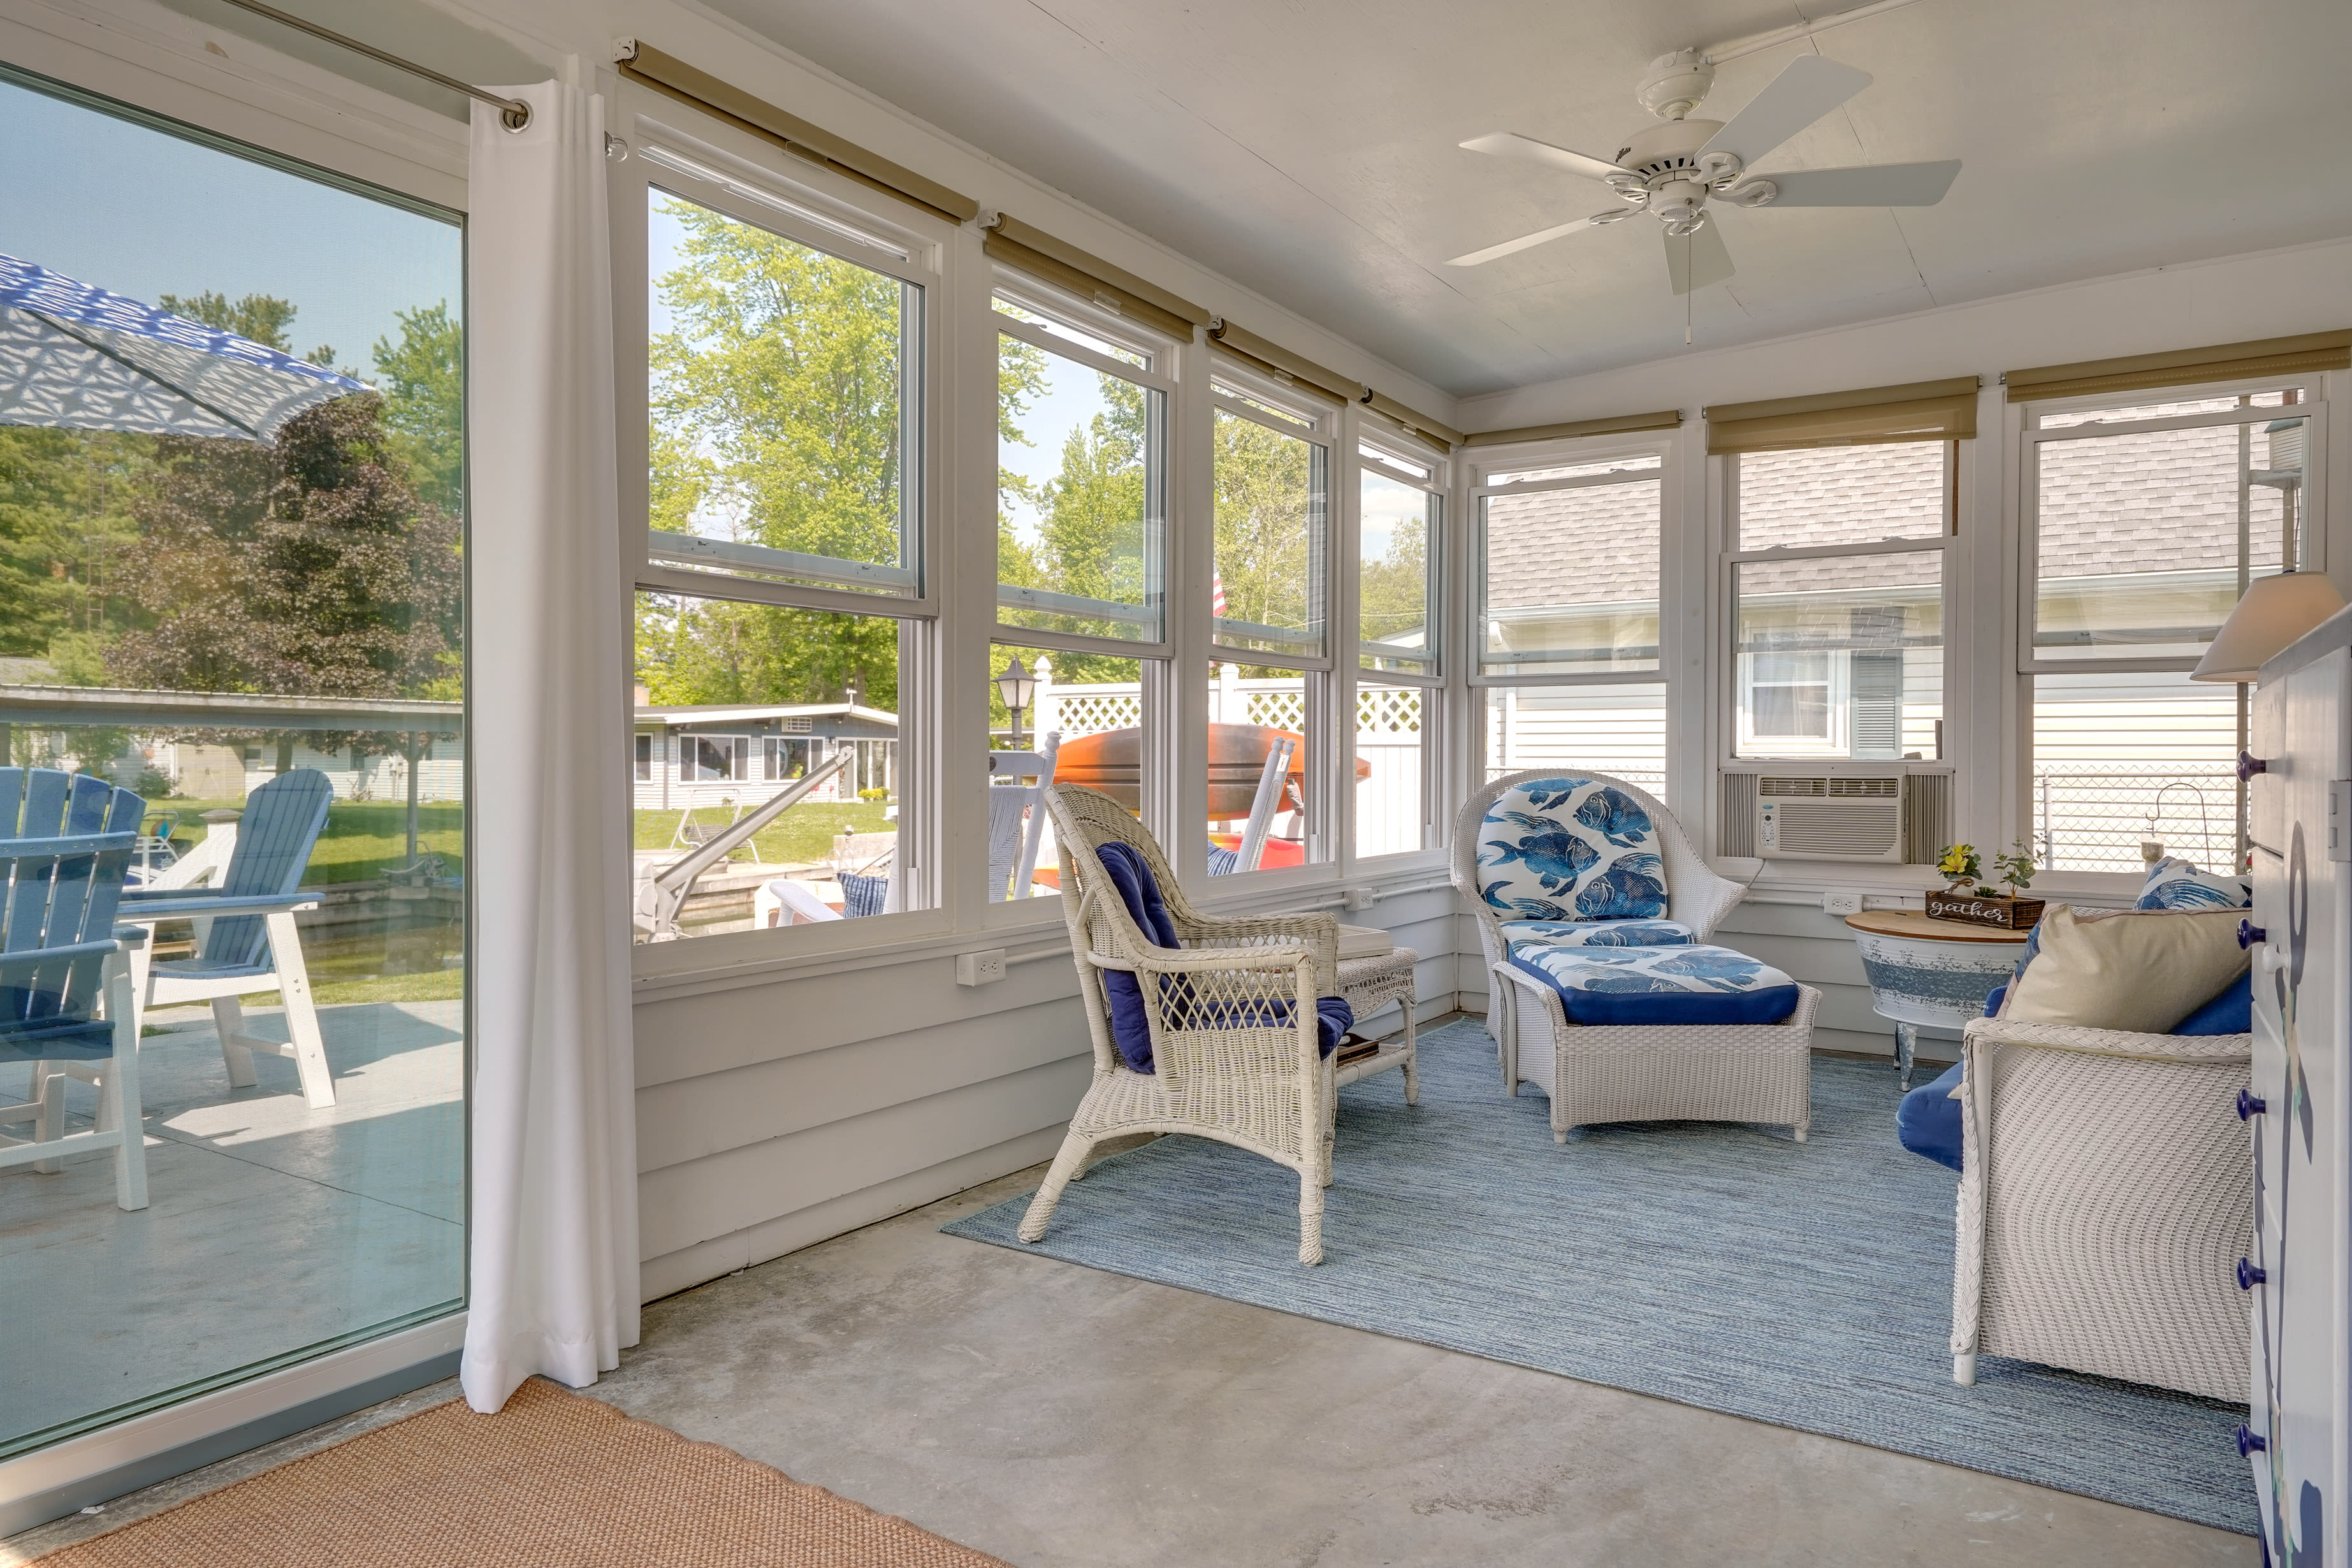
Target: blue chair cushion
1570	849
1685	985
1928	1120
1131	1028
1601	933
59	1039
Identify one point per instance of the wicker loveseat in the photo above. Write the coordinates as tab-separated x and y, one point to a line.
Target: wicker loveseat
1236	1048
2106	1200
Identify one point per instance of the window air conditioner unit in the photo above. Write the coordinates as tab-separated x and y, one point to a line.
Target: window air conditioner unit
1830	816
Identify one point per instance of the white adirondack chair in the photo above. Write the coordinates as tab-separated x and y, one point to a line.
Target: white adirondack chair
1017	817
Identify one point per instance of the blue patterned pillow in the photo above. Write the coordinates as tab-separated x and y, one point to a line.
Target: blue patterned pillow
1691	984
1601	933
1570	849
2178	885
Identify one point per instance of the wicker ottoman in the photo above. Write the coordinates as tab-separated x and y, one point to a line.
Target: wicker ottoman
1661	1072
1369	985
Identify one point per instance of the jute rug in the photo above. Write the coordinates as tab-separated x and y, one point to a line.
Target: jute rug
554	1480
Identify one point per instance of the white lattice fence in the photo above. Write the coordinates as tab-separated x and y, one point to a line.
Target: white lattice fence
1078	710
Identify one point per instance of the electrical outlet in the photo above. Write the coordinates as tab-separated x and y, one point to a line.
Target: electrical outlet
1841	903
982	968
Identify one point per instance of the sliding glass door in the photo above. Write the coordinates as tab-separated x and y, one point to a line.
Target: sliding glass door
232	511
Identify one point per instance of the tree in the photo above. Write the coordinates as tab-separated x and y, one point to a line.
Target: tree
67	531
1265	506
264	319
423	379
1395	590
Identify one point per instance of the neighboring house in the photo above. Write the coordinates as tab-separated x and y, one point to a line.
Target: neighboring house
713	754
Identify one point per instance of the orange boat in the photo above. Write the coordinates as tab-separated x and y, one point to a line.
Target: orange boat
1112	762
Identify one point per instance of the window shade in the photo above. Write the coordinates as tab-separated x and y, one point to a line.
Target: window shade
1919	411
1616	425
667	74
1030	250
1282	362
2182	367
1419	424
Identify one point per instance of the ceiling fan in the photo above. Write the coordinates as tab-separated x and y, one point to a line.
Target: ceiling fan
1671	170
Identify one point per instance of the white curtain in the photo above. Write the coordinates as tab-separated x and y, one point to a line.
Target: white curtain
554	1203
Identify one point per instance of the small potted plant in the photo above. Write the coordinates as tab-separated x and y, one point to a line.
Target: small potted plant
1968	899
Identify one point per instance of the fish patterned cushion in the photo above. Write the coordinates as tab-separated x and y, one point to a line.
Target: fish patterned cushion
1601	933
2175	884
1571	850
1599	986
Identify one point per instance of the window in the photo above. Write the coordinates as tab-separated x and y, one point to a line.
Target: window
784	622
1618	728
1567	557
1570	568
1396	555
1391	790
773	664
2147	516
1266	810
1272	571
644	758
1093	710
1837	584
1082	470
784	381
132	564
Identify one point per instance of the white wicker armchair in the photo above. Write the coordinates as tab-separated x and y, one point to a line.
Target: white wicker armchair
1260	1086
2106	1200
1696	896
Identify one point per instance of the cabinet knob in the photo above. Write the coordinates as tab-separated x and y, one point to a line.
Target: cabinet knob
2248	1442
2250	1274
2250	934
2250	1105
2249	764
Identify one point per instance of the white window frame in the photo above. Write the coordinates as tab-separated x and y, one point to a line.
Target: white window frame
761	185
1732	674
2311	538
1578	453
1160	374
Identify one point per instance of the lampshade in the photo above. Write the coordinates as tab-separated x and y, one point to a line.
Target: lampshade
2273	612
1016	686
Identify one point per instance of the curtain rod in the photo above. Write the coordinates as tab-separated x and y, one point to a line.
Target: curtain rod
516	112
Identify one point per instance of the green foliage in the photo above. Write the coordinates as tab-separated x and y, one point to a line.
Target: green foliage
782	381
1266	510
801	836
423	379
1395	589
67	531
703	650
2017	867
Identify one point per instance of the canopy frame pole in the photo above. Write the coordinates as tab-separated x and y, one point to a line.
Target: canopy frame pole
516	112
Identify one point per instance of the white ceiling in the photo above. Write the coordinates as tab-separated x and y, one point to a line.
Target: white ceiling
1307	149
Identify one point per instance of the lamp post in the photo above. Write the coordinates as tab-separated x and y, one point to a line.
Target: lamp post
1016	686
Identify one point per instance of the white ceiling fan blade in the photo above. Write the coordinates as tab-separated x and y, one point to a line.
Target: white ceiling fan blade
1872	185
1696	260
1527	150
1800	95
1525	242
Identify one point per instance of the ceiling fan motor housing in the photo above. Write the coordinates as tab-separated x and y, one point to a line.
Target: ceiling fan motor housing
1674	84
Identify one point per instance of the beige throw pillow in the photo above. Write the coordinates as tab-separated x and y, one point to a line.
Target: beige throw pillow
2143	971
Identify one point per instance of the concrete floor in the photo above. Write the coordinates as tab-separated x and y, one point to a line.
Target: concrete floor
1061	1418
271	1227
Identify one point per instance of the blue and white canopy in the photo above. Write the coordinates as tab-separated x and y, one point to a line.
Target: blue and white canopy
80	357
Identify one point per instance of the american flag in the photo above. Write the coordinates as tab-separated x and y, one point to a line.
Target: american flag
1216	593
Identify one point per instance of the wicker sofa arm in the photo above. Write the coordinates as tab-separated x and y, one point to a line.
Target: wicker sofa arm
2109	1042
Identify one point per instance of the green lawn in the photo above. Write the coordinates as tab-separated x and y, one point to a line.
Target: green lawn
361	840
803	833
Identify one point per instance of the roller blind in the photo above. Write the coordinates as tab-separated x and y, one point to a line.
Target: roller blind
1918	411
1034	252
2182	367
1249	346
1418	423
667	74
1615	425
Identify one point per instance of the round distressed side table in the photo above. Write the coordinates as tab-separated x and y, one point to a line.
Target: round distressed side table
1931	973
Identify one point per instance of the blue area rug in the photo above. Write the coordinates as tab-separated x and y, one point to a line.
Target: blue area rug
1808	1285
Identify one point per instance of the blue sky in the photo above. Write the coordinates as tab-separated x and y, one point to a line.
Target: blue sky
108	202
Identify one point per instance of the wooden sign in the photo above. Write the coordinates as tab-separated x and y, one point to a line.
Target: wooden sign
2009	914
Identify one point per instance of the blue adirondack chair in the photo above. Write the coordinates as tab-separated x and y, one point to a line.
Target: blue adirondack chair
246	937
65	848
